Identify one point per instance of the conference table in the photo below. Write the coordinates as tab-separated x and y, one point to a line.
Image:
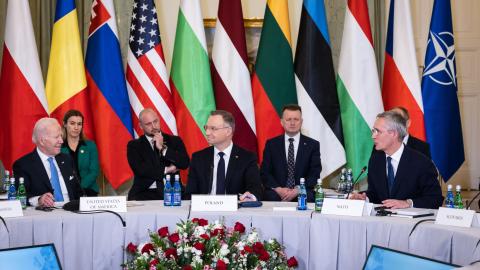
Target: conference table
318	241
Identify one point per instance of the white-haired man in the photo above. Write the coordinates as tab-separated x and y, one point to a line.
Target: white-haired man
49	174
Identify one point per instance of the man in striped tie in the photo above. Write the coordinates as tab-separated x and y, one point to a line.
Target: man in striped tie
50	178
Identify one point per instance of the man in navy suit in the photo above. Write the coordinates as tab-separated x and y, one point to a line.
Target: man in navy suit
409	140
398	176
49	174
289	157
224	168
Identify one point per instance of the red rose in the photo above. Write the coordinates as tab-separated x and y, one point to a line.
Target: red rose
218	232
248	249
147	248
199	246
239	227
264	256
131	248
205	236
221	265
292	262
153	263
163	232
174	237
258	247
171	252
200	221
187	267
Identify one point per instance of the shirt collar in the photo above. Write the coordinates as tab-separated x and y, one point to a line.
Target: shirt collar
227	150
42	155
296	137
398	154
405	139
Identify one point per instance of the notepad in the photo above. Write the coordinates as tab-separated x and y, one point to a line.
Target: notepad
412	213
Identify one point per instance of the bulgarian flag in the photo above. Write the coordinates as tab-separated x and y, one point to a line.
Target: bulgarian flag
66	81
273	82
358	85
190	77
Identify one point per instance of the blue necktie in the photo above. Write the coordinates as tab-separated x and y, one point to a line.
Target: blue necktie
221	175
390	175
54	180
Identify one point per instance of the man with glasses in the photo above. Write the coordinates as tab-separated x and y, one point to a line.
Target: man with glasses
289	157
398	176
224	168
152	156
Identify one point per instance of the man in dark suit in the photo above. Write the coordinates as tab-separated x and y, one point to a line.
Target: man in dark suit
152	156
224	168
398	176
289	157
409	140
40	169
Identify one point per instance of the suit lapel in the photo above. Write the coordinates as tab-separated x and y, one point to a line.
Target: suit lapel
401	170
302	147
209	166
62	165
383	173
42	173
283	154
232	166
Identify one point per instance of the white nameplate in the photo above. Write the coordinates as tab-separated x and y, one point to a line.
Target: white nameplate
11	209
113	203
343	207
454	217
205	203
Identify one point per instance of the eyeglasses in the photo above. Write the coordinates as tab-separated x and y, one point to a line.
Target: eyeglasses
376	131
213	129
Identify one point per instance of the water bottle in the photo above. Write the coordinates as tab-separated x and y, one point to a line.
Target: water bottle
341	182
177	191
302	196
449	200
167	192
458	203
22	193
6	181
319	196
12	191
349	182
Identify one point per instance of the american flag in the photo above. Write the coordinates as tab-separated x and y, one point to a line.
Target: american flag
147	79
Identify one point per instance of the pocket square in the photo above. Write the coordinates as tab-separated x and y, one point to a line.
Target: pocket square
71	177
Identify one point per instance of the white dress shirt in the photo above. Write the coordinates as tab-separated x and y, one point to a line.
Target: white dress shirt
216	158
34	200
395	159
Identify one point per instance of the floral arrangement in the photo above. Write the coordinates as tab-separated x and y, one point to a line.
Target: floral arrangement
198	245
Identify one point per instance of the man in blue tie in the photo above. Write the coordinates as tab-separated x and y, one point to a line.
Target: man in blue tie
398	176
49	175
224	168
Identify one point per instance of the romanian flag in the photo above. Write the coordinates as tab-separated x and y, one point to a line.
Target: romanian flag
66	81
273	83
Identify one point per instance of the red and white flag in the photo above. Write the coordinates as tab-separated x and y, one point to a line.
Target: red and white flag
147	80
230	75
22	90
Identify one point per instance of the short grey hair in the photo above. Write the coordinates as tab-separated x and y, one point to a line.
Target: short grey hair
226	116
40	128
395	122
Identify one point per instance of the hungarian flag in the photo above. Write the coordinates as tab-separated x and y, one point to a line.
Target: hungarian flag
439	90
358	86
147	79
230	75
190	77
273	82
108	93
401	84
21	85
316	89
66	81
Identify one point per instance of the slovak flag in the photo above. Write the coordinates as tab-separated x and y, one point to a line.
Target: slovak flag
401	83
439	91
107	90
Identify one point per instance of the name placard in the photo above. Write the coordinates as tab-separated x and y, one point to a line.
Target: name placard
11	209
454	217
207	203
343	207
113	203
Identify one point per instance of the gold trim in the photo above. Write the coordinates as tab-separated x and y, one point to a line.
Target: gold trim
247	22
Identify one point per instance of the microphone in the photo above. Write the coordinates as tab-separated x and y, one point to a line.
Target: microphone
74	206
356	179
4	224
473	199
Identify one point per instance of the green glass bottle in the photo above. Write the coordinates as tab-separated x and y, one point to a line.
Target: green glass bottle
22	193
319	196
458	197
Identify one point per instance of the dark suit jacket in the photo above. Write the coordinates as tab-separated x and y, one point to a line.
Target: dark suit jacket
149	166
307	164
242	173
416	179
419	145
37	183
